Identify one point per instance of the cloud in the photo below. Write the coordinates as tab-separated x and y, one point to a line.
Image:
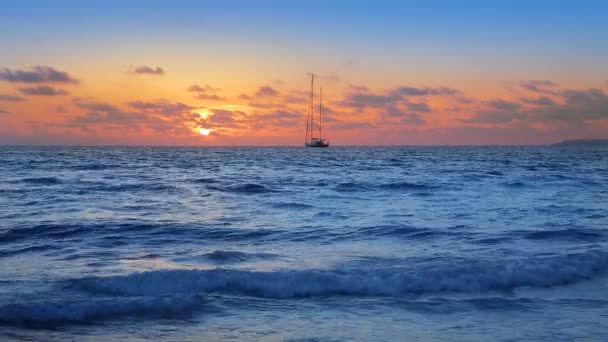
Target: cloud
503	105
211	97
266	91
38	74
143	69
280	118
43	91
578	106
582	96
223	118
414	91
203	92
493	117
540	101
341	125
412	119
2	111
245	97
11	98
408	118
538	86
162	107
362	100
360	97
95	106
202	89
419	107
129	120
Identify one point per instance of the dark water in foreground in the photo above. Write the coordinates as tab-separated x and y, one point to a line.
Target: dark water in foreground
445	243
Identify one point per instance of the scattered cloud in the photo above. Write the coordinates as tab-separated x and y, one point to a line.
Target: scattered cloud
10	98
279	118
38	74
578	106
203	93
503	105
210	97
95	106
414	91
222	118
2	111
540	101
129	120
350	125
539	86
494	117
161	107
266	91
412	119
201	89
146	70
421	107
43	91
360	97
405	117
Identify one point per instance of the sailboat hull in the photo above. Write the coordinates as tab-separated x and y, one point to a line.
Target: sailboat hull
316	144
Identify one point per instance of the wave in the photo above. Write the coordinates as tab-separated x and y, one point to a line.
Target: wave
404	186
129	187
228	257
353	187
578	234
402	231
40	231
42	180
465	277
291	205
247	188
515	184
37	248
48	314
95	167
204	180
109	231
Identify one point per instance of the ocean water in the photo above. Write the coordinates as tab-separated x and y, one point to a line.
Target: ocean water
294	244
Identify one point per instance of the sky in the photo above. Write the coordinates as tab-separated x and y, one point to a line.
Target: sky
237	72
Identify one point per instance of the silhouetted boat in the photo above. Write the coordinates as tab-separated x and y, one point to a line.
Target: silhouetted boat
311	140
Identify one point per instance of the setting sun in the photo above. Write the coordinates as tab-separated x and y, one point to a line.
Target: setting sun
204	131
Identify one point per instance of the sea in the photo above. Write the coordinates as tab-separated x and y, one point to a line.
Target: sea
293	244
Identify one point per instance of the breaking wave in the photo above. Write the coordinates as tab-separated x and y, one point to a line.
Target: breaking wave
464	277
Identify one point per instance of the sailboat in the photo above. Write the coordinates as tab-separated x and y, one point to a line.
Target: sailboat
311	126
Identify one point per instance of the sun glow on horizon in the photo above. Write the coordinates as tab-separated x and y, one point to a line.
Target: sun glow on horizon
205	131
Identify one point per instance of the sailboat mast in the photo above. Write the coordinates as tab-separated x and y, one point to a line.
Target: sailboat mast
312	106
320	109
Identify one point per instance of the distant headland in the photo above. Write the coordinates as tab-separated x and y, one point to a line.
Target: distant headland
583	142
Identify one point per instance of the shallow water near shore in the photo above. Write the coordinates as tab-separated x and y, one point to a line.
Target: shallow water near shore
294	244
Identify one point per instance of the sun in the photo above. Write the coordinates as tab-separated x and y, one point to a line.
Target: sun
204	131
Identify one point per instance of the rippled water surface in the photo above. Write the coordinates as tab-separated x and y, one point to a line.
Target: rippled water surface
338	244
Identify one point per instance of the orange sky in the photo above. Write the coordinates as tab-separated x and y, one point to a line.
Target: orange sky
92	75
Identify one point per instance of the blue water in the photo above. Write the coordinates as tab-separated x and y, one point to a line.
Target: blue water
294	244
